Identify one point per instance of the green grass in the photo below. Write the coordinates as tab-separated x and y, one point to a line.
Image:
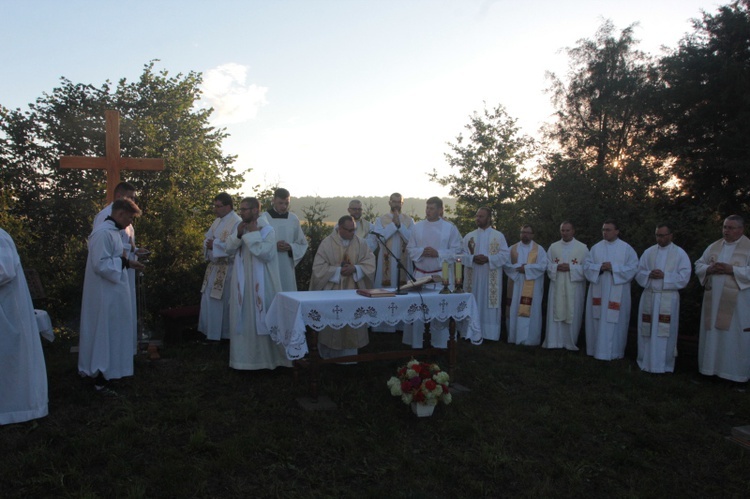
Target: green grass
536	423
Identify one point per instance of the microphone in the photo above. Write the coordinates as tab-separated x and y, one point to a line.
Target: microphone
377	234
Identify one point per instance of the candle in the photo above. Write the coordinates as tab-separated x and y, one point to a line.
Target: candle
445	271
458	270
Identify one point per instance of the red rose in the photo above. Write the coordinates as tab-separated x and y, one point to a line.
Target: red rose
419	396
405	386
445	388
430	384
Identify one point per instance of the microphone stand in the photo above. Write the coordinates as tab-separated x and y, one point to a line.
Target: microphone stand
400	266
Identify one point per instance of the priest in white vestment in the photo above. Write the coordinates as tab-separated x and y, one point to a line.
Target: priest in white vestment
485	252
255	282
526	268
609	268
343	261
23	375
663	270
105	349
432	242
125	190
214	315
291	242
393	231
567	290
724	271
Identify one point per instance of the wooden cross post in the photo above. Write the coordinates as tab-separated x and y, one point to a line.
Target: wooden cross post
113	163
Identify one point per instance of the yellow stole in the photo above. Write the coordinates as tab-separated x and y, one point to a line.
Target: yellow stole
527	291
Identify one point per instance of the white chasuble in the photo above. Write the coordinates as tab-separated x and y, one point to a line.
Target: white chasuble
724	341
659	307
608	300
485	281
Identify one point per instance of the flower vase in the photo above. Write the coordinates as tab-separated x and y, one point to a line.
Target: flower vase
422	410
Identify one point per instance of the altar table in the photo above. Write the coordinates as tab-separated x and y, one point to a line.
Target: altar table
295	318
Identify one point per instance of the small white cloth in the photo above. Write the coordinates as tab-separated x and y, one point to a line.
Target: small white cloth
45	325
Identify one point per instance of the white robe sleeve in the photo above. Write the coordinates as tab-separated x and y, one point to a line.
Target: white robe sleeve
701	266
625	272
108	259
641	276
680	277
7	261
535	270
591	268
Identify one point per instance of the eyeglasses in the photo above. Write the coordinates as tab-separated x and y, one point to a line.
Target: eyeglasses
348	230
664	235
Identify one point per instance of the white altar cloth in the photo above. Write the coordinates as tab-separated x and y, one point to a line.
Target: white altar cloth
292	311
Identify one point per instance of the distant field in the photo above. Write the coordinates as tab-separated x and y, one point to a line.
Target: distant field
336	206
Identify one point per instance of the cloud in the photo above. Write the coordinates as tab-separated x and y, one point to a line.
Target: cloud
226	90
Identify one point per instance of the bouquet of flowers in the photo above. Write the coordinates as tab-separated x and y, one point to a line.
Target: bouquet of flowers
422	383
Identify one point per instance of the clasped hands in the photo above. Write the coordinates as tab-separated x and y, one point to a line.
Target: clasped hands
720	268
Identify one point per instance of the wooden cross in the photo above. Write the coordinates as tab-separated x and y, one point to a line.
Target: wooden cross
113	163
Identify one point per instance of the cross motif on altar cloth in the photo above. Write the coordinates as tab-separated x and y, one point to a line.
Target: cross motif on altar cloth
393	307
443	306
112	163
337	310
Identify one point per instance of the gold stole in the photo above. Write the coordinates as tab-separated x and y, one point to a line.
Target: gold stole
527	292
728	300
493	275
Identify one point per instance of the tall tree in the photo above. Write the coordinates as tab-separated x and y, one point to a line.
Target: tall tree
488	165
706	96
599	161
158	119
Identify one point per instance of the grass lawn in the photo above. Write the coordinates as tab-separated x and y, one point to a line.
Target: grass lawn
536	423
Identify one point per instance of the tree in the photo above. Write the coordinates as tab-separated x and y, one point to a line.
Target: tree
489	164
315	230
600	162
56	207
706	112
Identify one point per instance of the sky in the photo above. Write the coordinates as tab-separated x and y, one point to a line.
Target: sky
330	97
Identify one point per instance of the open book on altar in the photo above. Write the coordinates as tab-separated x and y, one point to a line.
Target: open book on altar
376	293
421	282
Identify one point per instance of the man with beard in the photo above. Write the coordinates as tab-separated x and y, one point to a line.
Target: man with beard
567	290
214	315
663	270
343	261
486	251
610	266
393	229
291	242
528	262
255	281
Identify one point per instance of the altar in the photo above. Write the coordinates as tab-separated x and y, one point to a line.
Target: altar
295	318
